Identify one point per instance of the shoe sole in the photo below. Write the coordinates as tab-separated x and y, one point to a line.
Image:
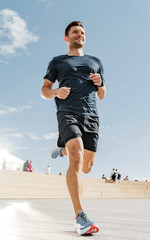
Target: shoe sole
91	229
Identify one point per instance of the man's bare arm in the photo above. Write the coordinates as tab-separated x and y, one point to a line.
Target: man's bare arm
101	92
96	78
48	92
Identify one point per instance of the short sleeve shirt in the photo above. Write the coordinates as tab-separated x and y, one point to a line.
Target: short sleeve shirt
74	72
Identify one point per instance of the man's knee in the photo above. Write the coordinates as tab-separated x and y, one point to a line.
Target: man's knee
75	147
75	153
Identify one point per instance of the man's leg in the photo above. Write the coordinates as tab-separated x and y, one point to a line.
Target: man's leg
79	160
75	153
88	160
64	152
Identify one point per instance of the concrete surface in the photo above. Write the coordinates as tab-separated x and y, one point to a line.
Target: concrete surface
53	219
25	185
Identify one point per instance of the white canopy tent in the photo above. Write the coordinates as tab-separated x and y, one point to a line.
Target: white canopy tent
9	161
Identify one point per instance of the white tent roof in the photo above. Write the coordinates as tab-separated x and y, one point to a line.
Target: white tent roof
12	162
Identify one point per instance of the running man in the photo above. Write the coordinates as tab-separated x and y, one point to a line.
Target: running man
80	79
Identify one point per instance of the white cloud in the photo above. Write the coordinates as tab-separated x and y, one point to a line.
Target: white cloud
6	143
46	137
12	110
10	140
6	130
14	140
14	135
14	34
50	136
25	107
34	136
5	110
8	133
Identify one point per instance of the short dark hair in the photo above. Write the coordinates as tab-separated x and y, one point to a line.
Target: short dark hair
74	23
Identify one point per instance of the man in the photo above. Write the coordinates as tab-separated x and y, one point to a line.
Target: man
113	175
118	174
4	163
48	170
103	176
80	79
26	166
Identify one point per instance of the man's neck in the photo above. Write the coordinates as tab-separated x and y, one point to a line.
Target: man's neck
75	52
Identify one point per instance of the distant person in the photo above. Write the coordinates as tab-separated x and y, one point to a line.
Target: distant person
26	166
60	174
118	173
30	169
4	164
126	178
113	175
103	176
48	170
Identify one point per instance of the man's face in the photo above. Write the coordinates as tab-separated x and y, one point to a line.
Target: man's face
76	37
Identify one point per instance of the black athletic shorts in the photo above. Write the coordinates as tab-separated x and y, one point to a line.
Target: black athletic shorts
71	125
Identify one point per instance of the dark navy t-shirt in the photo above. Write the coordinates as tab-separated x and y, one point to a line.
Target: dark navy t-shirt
74	72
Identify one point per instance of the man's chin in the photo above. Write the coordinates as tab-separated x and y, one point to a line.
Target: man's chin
78	45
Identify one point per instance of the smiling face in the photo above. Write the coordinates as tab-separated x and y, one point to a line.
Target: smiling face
76	37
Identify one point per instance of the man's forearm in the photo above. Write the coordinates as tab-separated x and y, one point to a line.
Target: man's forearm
101	92
49	93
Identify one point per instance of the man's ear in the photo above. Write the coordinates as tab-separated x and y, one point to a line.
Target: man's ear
66	39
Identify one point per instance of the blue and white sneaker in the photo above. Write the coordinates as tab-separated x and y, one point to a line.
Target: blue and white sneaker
55	152
84	225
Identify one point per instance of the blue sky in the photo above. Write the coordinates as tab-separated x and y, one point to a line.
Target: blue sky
117	31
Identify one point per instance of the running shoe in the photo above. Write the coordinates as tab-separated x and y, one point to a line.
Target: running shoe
84	225
55	152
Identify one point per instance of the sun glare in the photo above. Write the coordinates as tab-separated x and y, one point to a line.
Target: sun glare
3	152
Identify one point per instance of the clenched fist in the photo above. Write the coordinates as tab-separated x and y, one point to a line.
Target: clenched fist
63	92
96	78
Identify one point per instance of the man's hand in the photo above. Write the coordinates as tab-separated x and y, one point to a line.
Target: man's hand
63	92
96	78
